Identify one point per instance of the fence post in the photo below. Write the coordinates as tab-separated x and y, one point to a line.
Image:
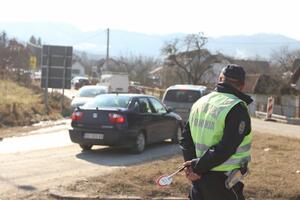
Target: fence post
298	106
270	107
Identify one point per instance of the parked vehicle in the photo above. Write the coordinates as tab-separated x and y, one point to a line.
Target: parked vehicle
86	93
78	81
130	120
116	82
182	97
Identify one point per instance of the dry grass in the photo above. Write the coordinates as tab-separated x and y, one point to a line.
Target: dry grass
274	168
12	92
273	174
20	106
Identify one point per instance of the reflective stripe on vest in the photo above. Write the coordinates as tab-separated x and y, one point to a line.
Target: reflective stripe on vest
207	122
240	149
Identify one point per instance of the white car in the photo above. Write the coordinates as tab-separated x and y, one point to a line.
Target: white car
86	93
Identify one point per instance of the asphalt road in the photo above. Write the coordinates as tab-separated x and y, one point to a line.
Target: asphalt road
276	128
48	159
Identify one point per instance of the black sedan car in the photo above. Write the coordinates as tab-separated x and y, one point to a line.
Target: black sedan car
131	120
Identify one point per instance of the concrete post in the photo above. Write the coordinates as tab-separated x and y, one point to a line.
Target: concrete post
297	106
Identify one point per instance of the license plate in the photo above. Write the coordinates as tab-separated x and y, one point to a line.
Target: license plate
93	136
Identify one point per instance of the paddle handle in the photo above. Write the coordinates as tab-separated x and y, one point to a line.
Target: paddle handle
179	170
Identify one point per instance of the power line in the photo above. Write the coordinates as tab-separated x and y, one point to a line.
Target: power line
90	37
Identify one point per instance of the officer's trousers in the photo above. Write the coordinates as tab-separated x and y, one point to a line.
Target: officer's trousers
211	186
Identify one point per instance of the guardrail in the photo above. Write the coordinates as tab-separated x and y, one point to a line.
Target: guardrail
279	118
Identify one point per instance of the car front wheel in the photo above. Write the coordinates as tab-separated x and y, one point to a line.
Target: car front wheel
139	143
86	147
177	135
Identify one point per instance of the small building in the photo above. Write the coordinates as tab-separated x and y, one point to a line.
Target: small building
262	86
110	65
253	66
210	76
155	76
259	87
78	69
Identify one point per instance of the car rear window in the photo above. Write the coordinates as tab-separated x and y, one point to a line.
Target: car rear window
184	96
108	101
91	92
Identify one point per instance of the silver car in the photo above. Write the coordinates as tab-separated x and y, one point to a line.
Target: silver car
86	93
181	98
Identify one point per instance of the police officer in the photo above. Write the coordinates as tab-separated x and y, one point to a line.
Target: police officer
216	140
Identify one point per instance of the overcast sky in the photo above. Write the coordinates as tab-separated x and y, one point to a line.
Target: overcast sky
213	17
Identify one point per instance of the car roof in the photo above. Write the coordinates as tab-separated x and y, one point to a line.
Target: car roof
80	77
94	86
128	94
187	87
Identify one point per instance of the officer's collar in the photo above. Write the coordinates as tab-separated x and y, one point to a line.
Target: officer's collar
227	88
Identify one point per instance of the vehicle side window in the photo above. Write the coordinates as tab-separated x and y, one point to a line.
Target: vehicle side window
144	105
158	107
136	106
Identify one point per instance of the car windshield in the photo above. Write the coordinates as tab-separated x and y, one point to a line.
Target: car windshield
108	101
91	92
184	96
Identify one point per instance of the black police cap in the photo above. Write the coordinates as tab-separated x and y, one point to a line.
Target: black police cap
235	72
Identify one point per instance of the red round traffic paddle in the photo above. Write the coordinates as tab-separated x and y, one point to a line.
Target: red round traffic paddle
166	180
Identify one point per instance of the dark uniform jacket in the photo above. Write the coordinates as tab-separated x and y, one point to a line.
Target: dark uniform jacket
232	137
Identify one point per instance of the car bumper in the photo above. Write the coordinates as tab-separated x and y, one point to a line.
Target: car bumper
111	138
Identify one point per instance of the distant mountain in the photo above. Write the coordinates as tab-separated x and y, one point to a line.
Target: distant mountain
130	43
261	44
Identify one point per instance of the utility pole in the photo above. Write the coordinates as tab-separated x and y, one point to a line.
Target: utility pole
107	47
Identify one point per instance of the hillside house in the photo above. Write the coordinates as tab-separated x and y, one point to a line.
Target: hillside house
155	76
253	66
110	65
213	66
262	86
78	69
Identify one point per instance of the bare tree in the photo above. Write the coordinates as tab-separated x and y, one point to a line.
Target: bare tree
3	39
284	58
39	41
4	61
189	56
138	67
33	39
282	63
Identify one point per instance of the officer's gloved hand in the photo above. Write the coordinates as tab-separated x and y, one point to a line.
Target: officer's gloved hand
190	175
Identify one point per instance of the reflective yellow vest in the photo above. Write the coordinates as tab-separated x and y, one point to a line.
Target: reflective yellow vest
207	122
